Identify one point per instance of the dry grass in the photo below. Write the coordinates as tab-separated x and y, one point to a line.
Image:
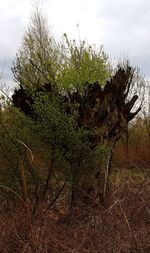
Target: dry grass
123	227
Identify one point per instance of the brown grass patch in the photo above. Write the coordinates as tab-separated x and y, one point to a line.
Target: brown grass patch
123	227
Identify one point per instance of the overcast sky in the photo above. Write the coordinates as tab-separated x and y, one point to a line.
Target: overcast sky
122	26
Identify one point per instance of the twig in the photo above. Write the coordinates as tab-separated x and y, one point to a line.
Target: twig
57	196
30	151
133	239
126	219
6	95
115	203
9	189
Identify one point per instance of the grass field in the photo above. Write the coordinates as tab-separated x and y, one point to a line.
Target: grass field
123	227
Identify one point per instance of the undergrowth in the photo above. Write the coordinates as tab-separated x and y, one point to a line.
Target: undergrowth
123	227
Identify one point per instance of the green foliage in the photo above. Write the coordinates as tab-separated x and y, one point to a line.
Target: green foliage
62	147
67	64
9	150
59	129
16	132
37	60
82	63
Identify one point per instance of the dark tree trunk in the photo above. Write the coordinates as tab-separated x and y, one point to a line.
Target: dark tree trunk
107	112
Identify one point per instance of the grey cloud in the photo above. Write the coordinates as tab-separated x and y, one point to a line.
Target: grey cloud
127	26
122	26
11	31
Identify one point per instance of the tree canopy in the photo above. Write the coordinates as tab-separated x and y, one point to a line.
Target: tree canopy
67	64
